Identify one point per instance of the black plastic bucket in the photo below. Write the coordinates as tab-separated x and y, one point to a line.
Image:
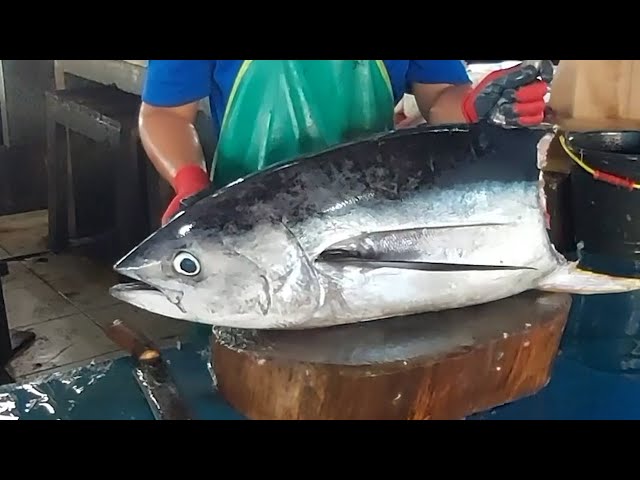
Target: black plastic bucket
607	215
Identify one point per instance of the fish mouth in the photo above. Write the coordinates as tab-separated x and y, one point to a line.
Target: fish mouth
147	297
133	287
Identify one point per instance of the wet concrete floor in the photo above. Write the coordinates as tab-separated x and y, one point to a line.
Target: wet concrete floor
64	299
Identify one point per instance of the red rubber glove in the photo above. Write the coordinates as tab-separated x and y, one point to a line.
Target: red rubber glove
512	97
188	181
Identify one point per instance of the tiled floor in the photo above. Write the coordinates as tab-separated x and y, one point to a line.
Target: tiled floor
64	299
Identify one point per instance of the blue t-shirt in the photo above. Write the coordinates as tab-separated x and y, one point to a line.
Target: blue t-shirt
170	83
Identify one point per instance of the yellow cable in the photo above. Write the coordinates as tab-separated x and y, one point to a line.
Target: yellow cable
579	161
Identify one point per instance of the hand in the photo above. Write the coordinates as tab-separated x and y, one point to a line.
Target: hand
189	181
511	97
407	114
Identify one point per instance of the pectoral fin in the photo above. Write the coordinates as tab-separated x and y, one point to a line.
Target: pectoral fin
570	279
336	256
436	249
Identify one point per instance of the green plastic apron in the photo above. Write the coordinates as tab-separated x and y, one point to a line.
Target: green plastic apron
282	109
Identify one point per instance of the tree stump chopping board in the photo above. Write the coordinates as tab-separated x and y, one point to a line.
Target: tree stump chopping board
445	365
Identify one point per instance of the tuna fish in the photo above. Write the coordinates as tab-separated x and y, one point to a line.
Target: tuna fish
412	221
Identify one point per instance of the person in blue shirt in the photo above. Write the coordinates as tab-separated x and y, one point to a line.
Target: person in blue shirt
270	111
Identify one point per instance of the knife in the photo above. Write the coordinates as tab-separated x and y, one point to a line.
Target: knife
151	372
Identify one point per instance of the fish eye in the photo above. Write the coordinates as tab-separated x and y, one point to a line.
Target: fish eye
186	264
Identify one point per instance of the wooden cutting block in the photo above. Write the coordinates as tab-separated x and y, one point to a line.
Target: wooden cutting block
445	365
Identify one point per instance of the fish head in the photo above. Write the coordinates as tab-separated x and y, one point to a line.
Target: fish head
242	273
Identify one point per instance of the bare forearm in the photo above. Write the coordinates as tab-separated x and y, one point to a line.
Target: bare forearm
441	105
170	140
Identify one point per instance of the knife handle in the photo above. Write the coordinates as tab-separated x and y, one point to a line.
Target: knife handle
132	341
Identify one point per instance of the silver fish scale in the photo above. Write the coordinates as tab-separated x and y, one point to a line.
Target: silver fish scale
448	195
